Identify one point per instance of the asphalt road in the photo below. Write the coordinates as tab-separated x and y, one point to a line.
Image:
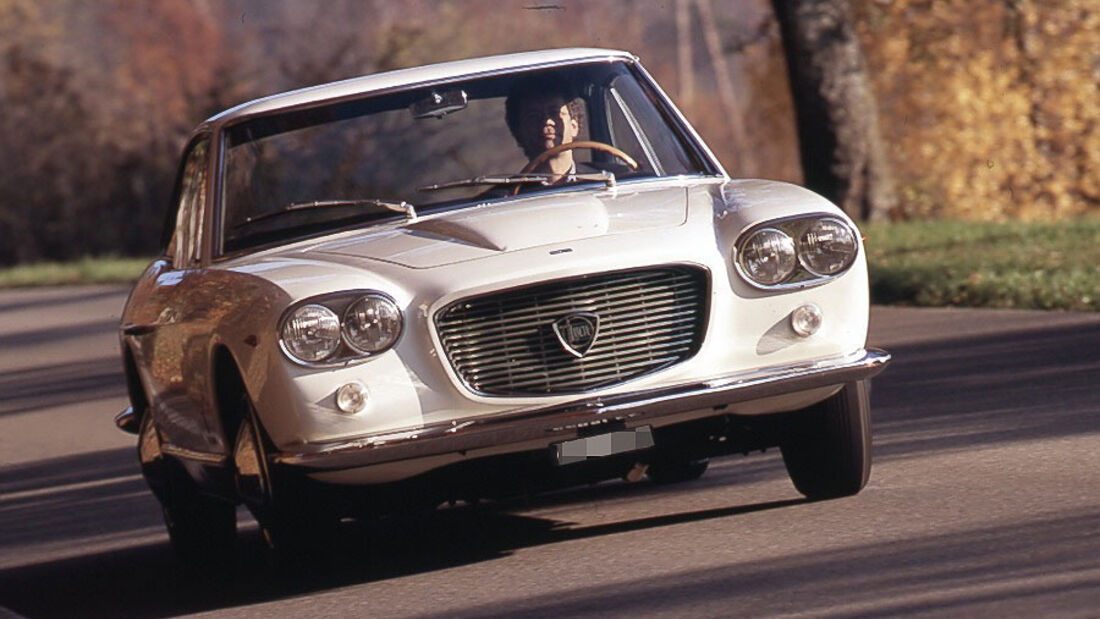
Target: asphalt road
984	500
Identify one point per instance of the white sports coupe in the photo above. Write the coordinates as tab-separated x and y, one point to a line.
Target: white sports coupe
478	279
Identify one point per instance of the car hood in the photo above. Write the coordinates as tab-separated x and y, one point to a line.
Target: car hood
495	228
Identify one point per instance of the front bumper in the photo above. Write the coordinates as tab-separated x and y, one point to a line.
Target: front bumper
547	425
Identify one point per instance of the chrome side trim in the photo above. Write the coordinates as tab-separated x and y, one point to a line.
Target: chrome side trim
562	421
198	456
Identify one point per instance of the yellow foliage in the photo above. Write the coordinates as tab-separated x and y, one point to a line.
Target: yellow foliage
991	108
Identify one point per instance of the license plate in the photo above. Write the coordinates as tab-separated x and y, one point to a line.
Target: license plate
602	445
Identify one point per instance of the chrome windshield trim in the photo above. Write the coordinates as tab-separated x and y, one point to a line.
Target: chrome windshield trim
554	421
326	94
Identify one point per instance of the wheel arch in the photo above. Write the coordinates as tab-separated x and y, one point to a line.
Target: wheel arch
229	389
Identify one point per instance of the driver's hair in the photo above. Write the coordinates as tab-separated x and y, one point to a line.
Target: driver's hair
540	87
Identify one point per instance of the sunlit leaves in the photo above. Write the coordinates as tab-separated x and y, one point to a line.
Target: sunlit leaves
992	107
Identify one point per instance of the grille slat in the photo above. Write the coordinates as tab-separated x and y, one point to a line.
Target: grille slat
596	378
593	364
523	315
621	346
553	303
608	328
604	346
504	343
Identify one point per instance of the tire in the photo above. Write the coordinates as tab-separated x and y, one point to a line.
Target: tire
202	530
827	447
673	471
294	524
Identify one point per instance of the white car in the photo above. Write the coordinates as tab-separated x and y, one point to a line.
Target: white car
476	279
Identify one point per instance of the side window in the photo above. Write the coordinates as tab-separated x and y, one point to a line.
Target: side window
185	246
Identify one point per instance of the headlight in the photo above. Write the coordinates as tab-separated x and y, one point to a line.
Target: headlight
311	333
767	257
796	252
372	324
827	247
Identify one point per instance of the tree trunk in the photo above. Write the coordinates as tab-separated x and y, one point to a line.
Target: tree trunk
843	157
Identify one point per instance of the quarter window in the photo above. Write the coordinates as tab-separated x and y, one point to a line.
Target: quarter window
186	244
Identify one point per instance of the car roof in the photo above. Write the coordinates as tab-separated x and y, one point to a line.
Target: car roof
414	75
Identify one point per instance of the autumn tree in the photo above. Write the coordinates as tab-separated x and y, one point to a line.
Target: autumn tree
41	182
841	146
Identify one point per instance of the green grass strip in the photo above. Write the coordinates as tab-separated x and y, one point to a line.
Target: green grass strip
101	270
975	264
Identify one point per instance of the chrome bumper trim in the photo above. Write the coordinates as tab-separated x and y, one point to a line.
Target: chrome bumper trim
562	421
127	420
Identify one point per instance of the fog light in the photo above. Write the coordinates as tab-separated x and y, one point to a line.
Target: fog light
351	398
806	320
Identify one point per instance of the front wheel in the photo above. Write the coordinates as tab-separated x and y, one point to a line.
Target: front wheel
827	447
201	528
294	523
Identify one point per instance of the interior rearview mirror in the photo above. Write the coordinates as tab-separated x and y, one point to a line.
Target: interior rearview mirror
439	104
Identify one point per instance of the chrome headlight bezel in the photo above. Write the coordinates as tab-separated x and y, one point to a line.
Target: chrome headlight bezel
795	227
339	303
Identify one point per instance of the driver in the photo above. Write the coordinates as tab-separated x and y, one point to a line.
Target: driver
543	113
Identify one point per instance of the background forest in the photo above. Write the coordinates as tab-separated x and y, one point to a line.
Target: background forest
990	108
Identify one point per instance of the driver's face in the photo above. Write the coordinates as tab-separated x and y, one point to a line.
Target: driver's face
545	122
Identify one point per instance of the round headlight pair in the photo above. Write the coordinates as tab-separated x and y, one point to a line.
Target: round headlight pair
770	256
313	333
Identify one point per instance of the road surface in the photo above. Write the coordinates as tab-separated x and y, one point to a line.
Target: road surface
984	500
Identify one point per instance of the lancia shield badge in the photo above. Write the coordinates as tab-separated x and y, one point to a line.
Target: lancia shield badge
577	332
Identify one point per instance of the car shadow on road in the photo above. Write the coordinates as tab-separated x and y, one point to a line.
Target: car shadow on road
1041	560
146	581
1044	565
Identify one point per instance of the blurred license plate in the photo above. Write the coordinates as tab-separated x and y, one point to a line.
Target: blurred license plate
602	445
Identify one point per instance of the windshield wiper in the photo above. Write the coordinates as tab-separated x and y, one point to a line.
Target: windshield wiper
541	178
398	207
512	179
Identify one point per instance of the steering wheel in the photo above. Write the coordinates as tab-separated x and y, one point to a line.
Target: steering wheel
550	152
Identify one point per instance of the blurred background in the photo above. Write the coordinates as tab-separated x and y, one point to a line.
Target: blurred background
989	109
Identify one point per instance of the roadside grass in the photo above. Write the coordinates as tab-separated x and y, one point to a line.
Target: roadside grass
91	270
923	263
1053	265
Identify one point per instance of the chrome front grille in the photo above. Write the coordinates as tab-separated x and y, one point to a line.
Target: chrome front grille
505	343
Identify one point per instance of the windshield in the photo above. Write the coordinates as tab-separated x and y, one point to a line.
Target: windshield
393	156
